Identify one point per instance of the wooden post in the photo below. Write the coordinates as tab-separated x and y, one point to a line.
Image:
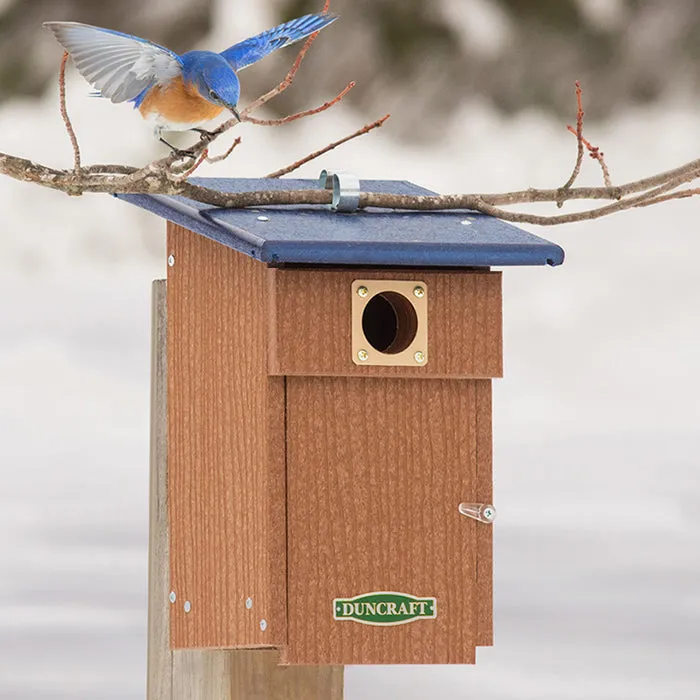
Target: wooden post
209	674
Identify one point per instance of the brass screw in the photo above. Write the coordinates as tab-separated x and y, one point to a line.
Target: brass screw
419	292
362	355
362	292
419	357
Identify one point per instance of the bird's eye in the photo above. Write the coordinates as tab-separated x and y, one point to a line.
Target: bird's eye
213	95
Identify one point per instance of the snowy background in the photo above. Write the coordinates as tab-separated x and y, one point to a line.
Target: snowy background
597	421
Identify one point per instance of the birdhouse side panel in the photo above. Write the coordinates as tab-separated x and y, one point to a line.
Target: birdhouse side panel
383	569
226	459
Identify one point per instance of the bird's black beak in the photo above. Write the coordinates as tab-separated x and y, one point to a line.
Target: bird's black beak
235	113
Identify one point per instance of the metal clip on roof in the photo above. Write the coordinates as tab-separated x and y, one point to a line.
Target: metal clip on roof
346	189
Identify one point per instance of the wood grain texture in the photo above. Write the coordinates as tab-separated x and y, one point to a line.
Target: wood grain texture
376	471
159	681
210	674
190	675
257	675
311	331
250	675
225	451
202	675
484	494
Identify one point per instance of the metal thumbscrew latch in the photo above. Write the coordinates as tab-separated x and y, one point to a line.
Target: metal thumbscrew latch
481	512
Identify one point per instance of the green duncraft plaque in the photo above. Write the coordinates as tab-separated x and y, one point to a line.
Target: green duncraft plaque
384	608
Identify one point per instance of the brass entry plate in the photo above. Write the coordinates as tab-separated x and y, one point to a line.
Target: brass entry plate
390	323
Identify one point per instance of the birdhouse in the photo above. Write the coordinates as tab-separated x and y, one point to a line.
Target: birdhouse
329	425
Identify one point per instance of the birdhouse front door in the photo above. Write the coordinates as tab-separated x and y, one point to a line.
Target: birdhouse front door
382	567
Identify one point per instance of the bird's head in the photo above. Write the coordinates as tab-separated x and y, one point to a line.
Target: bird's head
213	78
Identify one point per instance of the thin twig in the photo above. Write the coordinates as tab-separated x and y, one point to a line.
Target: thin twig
305	113
681	194
579	138
288	79
226	154
279	89
64	114
596	154
183	176
316	154
599	156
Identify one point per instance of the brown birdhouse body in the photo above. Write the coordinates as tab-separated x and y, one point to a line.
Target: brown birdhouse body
325	422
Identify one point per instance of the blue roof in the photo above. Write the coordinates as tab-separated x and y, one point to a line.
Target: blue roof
386	237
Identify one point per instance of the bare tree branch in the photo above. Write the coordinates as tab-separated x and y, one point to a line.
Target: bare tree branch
596	154
226	154
110	168
579	140
279	89
155	180
204	155
301	115
66	118
169	175
681	194
317	154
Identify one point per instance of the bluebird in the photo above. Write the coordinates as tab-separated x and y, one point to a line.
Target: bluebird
173	92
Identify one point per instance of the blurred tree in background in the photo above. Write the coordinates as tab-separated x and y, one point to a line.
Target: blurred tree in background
418	59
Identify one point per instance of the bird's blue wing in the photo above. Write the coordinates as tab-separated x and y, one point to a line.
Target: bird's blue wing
119	65
252	50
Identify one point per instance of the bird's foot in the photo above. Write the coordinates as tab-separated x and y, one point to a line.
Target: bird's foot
185	152
207	135
180	152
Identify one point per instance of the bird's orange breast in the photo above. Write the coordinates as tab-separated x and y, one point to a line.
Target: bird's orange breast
178	102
